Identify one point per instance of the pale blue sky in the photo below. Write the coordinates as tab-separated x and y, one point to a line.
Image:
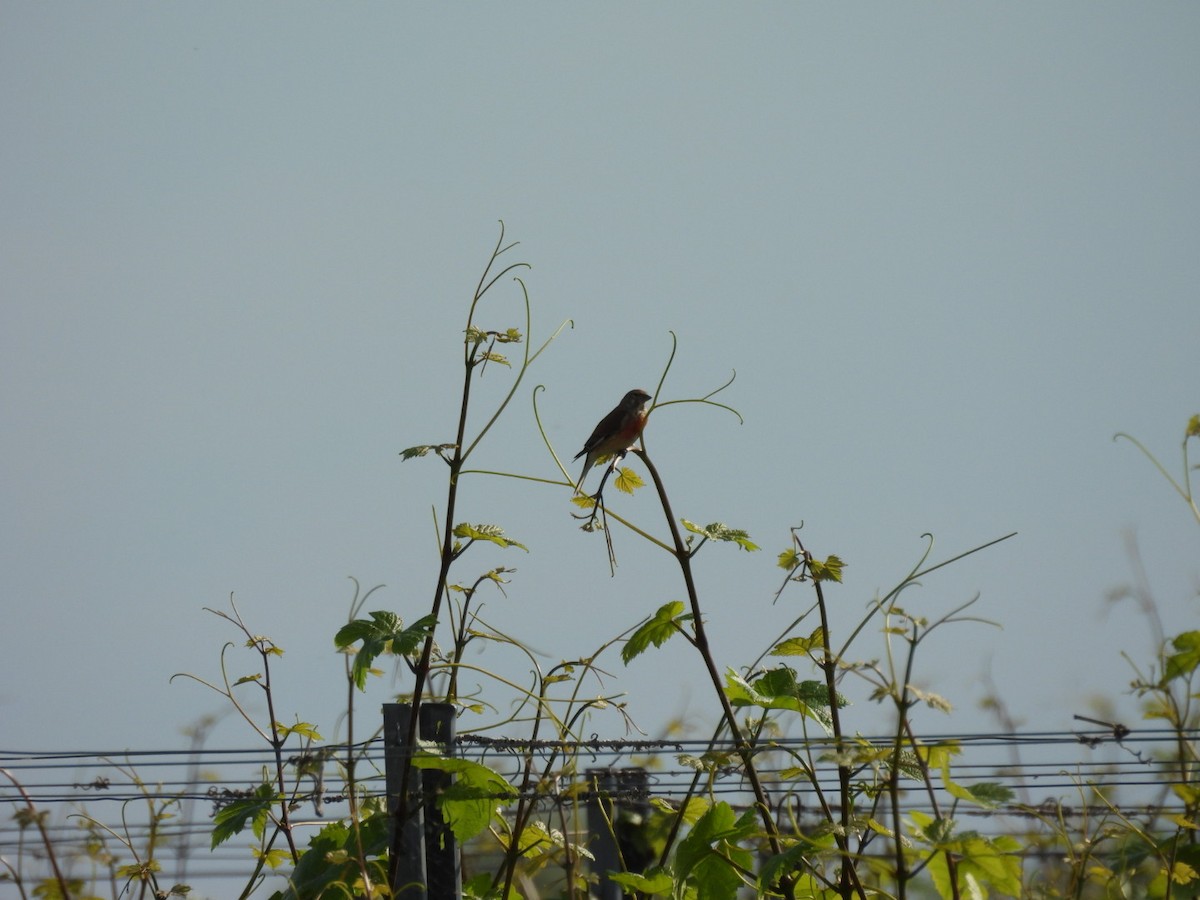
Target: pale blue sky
949	249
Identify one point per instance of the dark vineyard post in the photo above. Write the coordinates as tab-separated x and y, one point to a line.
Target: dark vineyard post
424	854
406	844
616	809
441	847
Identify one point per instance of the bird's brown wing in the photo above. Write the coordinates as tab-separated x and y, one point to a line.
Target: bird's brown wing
607	426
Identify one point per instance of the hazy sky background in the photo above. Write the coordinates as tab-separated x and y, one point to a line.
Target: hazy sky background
948	249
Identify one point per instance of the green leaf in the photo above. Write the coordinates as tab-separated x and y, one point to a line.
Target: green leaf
304	729
275	857
382	633
693	809
709	855
789	559
939	755
711	762
139	870
795	857
425	450
829	570
476	335
653	881
779	865
332	856
231	819
801	646
984	863
469	803
1184	661
719	532
739	691
986	794
263	645
779	689
497	574
930	699
980	863
537	841
479	887
628	481
936	832
584	501
990	794
664	624
492	533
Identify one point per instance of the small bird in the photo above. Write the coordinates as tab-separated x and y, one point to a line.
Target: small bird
616	433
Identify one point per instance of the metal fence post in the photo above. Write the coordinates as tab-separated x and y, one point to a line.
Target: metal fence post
405	833
616	809
441	848
601	839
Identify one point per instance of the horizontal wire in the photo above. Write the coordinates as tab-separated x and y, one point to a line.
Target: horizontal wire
1131	766
1129	736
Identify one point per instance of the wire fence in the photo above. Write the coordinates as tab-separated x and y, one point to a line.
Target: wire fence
92	798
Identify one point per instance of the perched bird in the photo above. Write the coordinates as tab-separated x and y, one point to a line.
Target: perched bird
616	433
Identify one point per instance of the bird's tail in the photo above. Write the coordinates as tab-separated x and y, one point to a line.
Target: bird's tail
587	464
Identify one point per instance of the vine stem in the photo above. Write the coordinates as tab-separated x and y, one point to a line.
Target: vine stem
472	357
849	881
700	640
41	827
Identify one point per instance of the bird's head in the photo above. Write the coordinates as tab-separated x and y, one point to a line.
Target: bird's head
635	399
